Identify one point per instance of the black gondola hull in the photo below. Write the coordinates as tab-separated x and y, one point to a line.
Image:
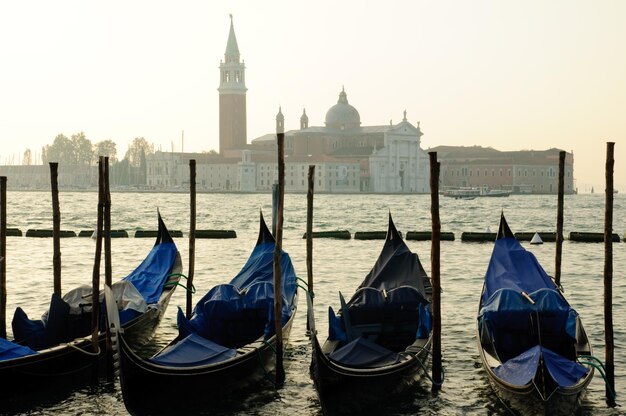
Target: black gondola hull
526	399
72	364
147	388
343	389
346	387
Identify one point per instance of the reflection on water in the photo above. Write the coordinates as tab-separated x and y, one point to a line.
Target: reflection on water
339	265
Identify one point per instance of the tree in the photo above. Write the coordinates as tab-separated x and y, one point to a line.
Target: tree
135	150
75	151
106	148
60	151
83	149
28	158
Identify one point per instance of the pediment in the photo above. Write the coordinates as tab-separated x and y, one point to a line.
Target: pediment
404	128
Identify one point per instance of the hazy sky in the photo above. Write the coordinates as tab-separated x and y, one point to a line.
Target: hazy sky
508	74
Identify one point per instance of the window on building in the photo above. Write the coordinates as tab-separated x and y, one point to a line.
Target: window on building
237	76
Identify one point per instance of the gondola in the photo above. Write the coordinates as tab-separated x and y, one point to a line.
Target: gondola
379	341
56	350
227	345
532	343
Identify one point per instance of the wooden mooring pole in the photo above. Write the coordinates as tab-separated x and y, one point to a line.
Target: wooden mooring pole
608	277
108	272
278	285
274	207
559	220
435	272
95	280
192	234
3	257
309	232
56	228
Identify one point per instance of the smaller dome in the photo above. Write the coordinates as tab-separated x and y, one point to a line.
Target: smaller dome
342	115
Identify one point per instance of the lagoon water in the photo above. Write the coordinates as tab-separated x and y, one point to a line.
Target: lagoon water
339	265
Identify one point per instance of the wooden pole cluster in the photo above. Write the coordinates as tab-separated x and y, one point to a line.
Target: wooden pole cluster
3	257
309	232
608	277
278	285
192	234
435	269
56	228
559	220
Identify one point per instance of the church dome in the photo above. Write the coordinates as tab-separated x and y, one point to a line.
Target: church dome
342	115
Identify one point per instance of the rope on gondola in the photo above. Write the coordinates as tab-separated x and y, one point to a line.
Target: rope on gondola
421	363
306	289
168	284
598	365
91	354
266	374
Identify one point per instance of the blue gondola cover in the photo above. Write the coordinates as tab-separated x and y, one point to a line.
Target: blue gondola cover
10	350
513	267
149	277
520	370
363	353
239	312
192	351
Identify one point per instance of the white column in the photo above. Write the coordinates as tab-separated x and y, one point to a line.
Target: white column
387	180
396	187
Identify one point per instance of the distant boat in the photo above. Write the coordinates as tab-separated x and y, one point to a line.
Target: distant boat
496	193
473	192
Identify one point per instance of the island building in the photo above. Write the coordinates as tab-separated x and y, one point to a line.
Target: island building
349	157
525	171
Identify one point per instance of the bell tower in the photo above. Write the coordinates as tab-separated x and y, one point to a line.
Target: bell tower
232	92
